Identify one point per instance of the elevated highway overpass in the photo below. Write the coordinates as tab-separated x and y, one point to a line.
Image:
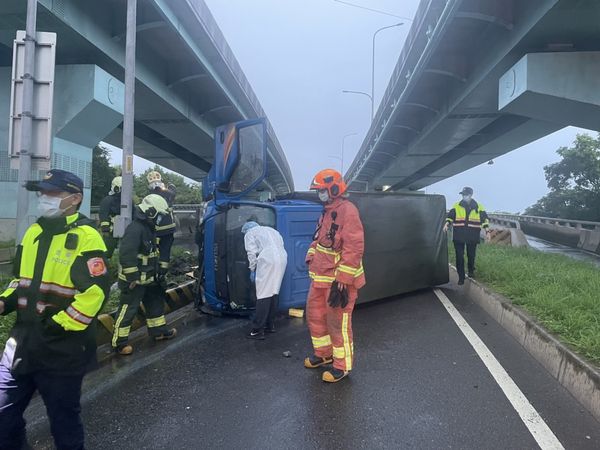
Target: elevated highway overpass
188	83
477	79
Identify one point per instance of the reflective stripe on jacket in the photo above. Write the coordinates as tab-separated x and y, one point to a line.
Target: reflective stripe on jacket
61	284
337	250
467	227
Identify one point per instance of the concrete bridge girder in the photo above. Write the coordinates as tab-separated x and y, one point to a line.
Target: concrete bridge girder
570	96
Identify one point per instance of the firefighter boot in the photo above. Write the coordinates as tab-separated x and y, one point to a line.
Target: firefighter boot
313	362
169	334
334	375
124	349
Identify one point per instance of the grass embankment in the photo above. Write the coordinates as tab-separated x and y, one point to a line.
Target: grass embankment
562	293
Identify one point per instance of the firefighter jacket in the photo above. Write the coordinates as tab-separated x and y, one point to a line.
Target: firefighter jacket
138	255
61	283
110	207
467	220
337	248
167	224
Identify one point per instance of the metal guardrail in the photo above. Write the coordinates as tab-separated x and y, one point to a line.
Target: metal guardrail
577	224
182	208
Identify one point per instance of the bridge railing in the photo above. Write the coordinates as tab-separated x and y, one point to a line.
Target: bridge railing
518	218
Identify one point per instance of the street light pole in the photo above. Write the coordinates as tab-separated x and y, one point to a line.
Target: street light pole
365	94
373	66
343	142
128	120
26	120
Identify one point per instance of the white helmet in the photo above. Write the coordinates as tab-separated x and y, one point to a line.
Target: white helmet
153	205
116	185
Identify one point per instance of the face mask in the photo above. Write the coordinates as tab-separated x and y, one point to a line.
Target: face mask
50	206
324	196
466	198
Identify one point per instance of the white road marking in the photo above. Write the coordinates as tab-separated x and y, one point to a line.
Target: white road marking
530	417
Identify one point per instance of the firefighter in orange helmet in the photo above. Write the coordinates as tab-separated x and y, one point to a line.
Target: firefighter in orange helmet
335	266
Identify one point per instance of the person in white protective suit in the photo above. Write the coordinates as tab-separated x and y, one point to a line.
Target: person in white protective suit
267	261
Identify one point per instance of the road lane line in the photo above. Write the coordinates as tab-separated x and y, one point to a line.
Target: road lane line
530	417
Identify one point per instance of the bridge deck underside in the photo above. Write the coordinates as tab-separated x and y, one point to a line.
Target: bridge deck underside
440	117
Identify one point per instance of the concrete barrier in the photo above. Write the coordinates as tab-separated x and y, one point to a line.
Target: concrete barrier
558	234
589	240
579	377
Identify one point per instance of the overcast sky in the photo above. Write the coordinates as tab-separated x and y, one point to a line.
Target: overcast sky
299	55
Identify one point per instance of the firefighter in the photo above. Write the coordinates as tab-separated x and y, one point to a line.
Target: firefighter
110	208
61	284
334	261
467	218
138	258
165	228
267	260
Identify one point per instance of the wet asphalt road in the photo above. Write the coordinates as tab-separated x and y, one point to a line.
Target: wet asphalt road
417	383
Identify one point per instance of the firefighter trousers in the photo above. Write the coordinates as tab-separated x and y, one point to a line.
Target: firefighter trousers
152	297
331	328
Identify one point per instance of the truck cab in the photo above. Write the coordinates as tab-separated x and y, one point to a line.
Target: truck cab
235	191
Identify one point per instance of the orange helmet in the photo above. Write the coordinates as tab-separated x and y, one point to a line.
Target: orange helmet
331	180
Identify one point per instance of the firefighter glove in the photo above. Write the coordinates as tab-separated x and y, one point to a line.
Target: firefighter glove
337	298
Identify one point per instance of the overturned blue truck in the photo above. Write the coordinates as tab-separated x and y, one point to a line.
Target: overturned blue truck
405	247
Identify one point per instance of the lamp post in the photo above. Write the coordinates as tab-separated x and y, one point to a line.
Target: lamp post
373	66
365	94
336	157
344	142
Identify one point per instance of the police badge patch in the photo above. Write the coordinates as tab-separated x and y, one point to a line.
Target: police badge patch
96	267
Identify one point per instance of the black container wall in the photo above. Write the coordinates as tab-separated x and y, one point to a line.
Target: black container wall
405	246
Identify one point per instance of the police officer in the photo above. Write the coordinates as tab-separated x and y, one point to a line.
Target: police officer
467	217
165	227
138	259
60	286
110	207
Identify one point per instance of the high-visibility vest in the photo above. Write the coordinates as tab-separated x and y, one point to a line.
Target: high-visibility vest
62	282
474	219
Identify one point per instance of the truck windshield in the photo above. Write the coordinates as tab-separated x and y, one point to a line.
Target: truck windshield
241	294
251	164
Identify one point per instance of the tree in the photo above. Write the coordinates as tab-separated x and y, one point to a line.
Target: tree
186	193
574	183
102	174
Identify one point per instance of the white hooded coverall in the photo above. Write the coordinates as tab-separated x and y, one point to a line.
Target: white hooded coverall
268	257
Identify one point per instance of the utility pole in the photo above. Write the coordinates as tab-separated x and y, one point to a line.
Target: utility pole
128	121
26	120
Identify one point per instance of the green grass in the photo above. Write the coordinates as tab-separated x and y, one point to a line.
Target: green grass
562	293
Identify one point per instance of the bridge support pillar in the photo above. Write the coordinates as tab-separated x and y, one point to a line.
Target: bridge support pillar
88	105
562	88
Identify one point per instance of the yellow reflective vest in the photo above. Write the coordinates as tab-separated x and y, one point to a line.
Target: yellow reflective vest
467	221
61	283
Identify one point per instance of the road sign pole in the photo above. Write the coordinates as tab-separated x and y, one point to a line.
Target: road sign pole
128	120
26	120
